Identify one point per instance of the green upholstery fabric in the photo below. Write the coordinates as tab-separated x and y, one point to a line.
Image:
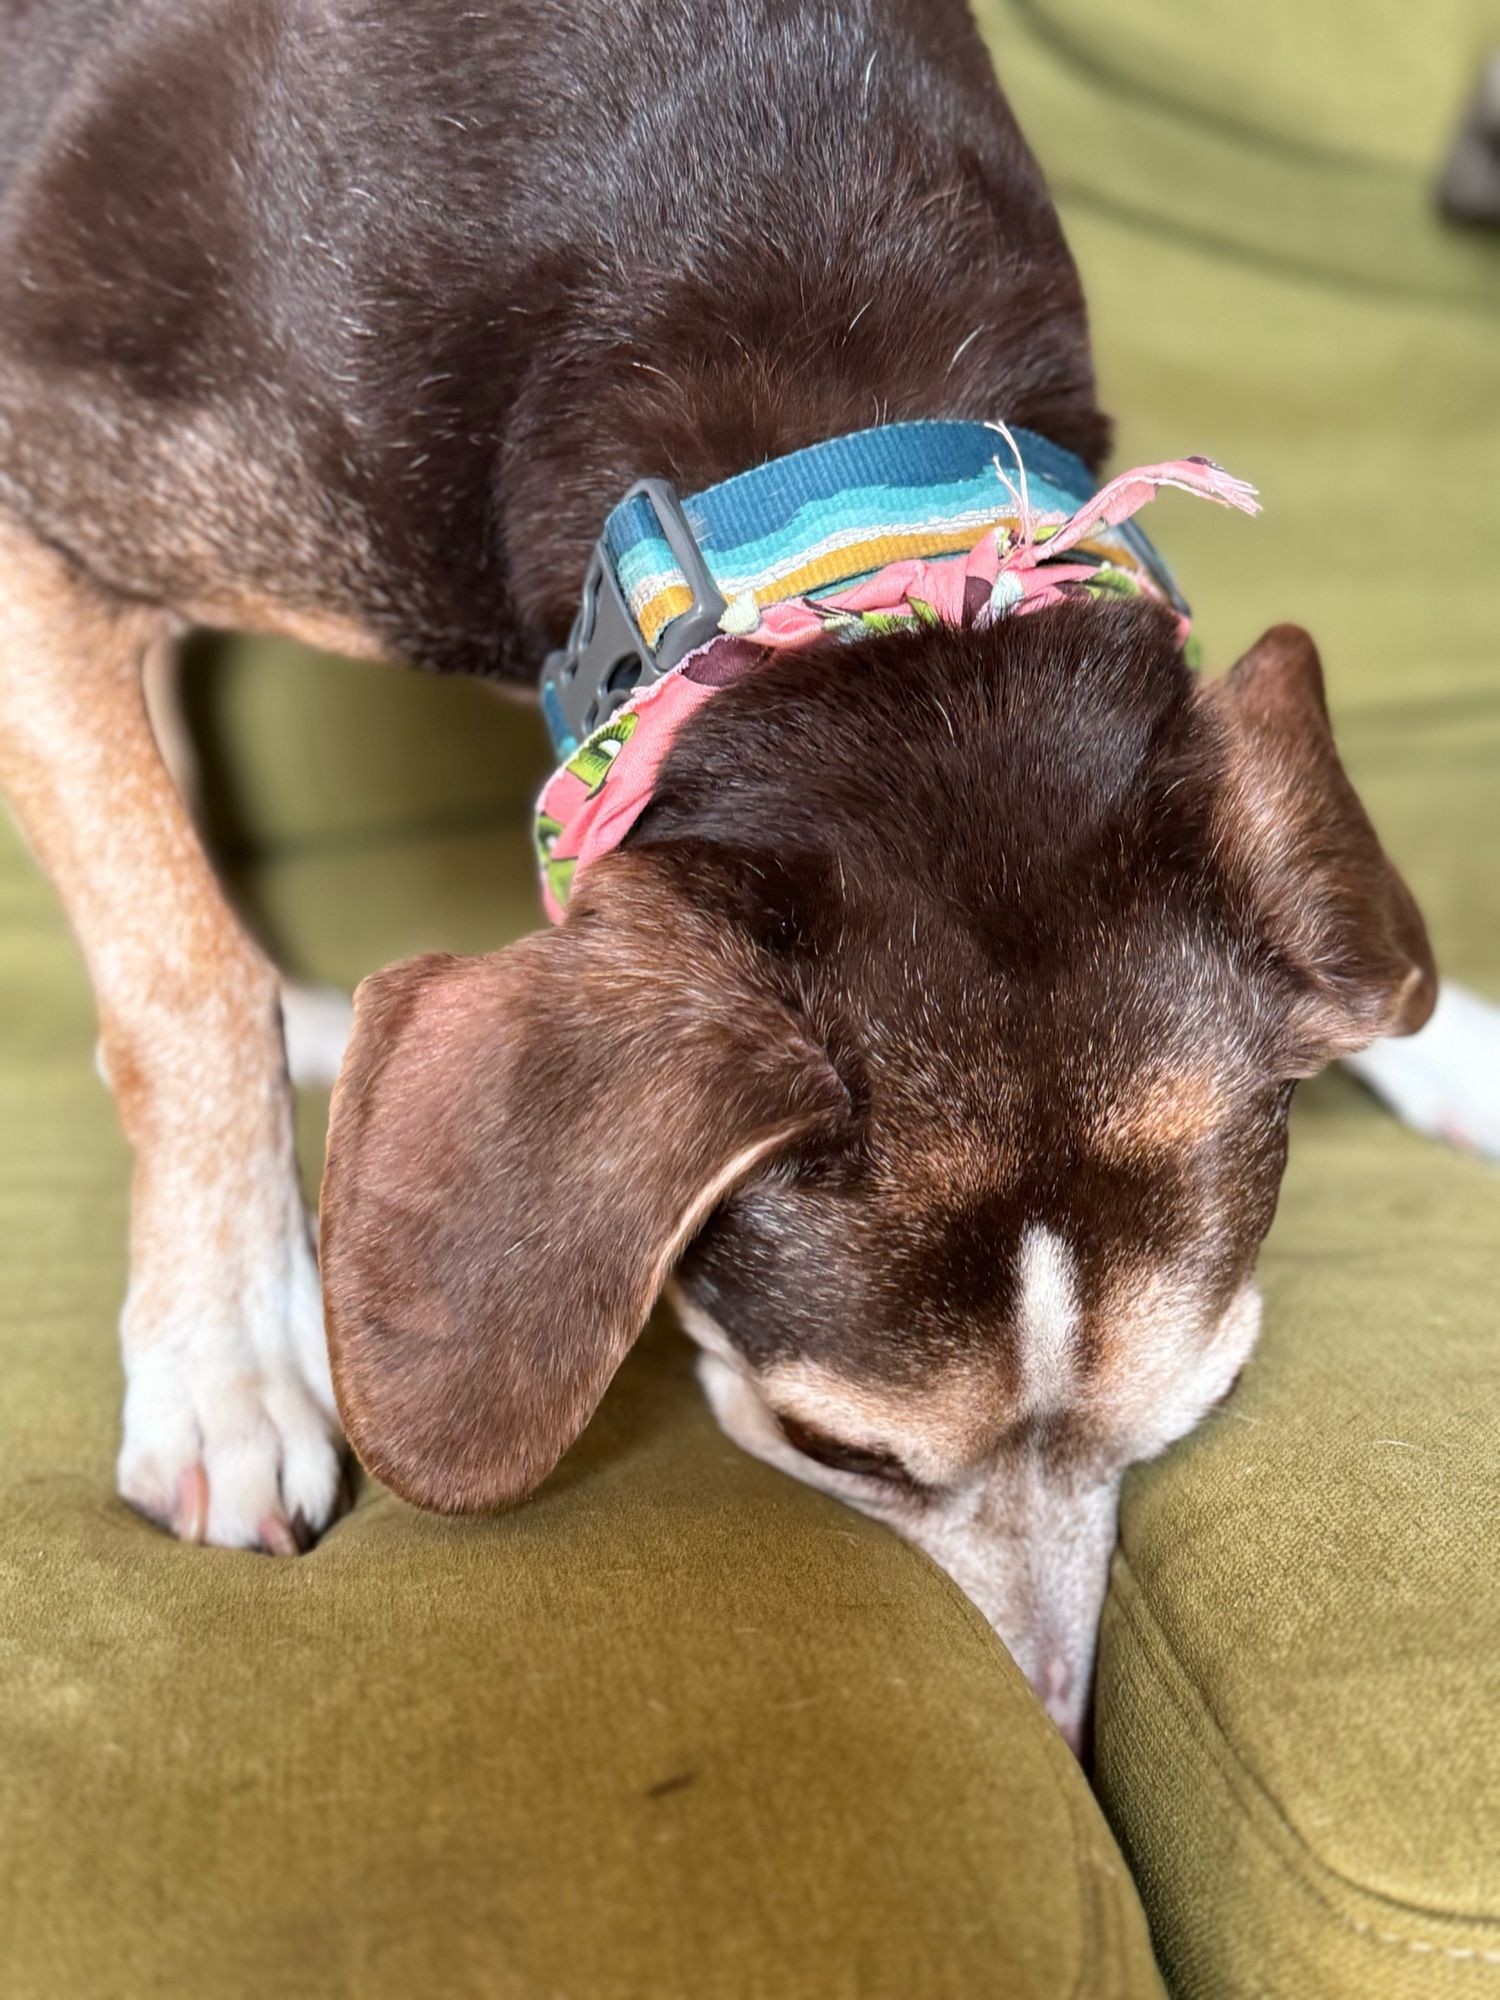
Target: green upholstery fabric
1300	1673
679	1727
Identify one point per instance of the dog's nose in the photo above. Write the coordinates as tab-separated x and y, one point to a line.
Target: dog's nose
1055	1686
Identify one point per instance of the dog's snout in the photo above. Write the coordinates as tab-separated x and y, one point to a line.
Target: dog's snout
1057	1657
1056	1685
1036	1562
1070	1728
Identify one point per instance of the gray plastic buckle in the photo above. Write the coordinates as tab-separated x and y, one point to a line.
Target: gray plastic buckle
606	659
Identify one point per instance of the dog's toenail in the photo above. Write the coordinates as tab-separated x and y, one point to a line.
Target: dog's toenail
190	1516
276	1537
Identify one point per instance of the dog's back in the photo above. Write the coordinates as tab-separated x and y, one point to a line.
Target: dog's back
359	316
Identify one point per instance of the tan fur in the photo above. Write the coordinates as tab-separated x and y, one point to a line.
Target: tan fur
936	1426
325	631
1166	1108
222	1293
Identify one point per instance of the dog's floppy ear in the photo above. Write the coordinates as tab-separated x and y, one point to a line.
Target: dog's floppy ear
1299	843
519	1147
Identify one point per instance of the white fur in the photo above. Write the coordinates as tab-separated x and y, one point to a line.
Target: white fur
316	1022
1168	1366
1444	1081
235	1381
1046	1321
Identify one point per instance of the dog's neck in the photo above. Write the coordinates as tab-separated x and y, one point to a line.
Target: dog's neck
714	375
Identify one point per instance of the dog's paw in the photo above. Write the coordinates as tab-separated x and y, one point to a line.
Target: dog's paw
1445	1080
230	1435
316	1022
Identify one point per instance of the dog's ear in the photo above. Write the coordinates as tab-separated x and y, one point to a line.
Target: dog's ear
520	1145
1300	846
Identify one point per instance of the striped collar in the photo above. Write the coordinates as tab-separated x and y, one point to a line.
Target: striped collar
942	521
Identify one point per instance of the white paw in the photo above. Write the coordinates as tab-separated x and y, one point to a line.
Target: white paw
1445	1080
315	1023
230	1432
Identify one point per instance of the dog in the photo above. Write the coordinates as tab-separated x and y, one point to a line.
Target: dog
933	1030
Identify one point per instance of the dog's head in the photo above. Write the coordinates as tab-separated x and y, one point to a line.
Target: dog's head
938	1026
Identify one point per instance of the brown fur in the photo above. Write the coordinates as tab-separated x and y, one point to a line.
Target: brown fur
1306	851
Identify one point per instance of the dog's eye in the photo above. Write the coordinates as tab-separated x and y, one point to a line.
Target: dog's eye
862	1459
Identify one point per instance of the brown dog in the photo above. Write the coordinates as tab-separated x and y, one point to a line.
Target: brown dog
946	1051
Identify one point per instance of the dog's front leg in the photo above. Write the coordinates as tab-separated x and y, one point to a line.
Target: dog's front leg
229	1433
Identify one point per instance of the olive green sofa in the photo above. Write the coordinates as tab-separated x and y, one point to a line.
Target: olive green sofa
680	1729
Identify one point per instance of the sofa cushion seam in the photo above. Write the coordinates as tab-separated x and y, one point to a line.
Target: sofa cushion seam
1252	1796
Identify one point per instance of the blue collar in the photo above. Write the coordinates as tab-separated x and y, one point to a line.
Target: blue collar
666	574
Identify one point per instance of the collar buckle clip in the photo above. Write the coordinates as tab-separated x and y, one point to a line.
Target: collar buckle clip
607	659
